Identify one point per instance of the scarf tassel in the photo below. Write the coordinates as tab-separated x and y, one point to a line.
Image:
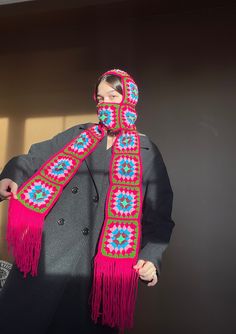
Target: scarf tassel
24	234
114	292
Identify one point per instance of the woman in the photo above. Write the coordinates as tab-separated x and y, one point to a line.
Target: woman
106	224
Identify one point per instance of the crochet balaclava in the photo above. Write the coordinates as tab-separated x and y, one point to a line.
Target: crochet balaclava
115	281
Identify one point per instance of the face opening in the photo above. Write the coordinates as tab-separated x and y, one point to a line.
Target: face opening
109	89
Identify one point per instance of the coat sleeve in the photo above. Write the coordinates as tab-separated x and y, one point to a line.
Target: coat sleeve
22	167
157	224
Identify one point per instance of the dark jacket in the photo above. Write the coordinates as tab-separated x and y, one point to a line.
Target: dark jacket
57	299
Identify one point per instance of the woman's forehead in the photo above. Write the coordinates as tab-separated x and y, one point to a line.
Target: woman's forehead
105	88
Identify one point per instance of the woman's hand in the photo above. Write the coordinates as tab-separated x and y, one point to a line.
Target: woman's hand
147	272
8	188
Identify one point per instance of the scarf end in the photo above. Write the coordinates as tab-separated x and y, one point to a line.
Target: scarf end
24	234
114	292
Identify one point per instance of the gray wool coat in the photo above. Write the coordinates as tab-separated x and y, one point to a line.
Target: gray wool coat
56	301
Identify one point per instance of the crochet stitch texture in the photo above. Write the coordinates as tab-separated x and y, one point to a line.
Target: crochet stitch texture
115	281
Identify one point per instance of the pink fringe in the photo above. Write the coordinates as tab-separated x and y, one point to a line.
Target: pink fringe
24	234
114	292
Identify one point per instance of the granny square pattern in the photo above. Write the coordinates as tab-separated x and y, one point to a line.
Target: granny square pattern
127	142
81	145
120	239
124	202
108	115
96	131
38	194
60	168
119	242
131	91
126	169
128	117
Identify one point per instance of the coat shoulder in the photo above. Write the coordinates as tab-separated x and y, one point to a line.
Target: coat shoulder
152	158
74	131
148	144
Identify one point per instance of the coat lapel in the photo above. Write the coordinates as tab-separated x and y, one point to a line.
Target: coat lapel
99	153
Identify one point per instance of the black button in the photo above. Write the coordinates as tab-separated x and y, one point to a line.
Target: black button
95	198
61	221
74	190
85	231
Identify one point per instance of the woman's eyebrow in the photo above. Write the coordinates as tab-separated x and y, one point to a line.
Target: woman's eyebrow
110	91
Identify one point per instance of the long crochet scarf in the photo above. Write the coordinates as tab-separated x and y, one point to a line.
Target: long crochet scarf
115	281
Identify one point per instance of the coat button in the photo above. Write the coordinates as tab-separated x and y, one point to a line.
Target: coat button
85	231
95	198
74	190
61	221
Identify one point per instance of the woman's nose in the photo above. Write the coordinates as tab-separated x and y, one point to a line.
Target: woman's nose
106	99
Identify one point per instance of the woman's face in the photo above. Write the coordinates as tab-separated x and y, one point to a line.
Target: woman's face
106	93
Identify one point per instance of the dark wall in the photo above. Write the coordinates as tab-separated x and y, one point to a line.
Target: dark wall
188	74
184	63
